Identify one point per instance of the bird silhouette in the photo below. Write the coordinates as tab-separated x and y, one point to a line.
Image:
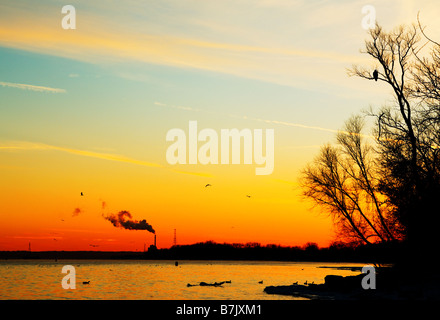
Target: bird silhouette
208	185
82	194
248	196
86	282
261	282
375	75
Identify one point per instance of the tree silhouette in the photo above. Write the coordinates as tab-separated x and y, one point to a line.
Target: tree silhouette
408	131
344	180
388	190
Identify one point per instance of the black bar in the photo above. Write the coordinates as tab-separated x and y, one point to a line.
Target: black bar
218	309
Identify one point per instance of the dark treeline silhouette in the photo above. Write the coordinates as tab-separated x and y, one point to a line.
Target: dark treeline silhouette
384	187
210	250
336	252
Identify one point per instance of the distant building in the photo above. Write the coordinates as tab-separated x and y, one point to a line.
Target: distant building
153	248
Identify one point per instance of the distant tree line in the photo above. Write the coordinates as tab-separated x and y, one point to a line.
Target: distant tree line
337	252
210	250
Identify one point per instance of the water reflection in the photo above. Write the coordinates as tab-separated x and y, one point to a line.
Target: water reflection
158	280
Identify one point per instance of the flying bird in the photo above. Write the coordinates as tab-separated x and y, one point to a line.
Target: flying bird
82	194
375	75
248	196
208	185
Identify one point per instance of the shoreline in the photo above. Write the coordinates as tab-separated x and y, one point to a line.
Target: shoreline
390	286
133	255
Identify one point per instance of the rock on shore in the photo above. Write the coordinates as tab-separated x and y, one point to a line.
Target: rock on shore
389	287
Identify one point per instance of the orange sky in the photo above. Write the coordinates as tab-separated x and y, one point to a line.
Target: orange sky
44	189
88	110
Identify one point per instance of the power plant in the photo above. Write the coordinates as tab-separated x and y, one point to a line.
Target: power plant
153	247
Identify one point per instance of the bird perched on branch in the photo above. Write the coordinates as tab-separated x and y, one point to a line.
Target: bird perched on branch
375	75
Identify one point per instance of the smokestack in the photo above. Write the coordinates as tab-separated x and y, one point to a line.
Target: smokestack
155	240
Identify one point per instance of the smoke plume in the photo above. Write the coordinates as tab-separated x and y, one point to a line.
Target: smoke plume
76	212
124	220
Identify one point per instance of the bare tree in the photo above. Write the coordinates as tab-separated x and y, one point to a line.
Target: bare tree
388	189
343	179
408	132
393	52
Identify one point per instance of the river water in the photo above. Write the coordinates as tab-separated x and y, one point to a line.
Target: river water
158	280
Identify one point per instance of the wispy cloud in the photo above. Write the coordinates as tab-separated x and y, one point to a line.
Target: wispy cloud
100	40
290	43
31	87
24	145
298	125
284	123
276	122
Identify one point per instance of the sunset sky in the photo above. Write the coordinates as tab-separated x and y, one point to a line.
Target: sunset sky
88	110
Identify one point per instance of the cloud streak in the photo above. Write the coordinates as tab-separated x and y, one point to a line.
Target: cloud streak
290	64
31	87
281	50
276	122
23	145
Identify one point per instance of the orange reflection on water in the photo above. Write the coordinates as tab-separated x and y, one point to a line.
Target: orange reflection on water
157	280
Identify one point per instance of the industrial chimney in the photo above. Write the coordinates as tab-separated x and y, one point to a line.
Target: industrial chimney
152	248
